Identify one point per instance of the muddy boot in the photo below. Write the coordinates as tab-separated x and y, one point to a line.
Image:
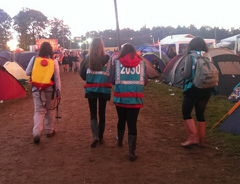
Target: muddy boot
191	133
101	129
201	133
120	137
94	126
132	141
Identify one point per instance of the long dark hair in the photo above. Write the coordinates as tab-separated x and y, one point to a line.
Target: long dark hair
126	49
46	50
96	55
197	44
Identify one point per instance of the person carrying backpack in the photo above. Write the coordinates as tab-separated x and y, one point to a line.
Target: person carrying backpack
194	96
45	78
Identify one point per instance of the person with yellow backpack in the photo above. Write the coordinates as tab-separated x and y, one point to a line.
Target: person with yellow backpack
45	78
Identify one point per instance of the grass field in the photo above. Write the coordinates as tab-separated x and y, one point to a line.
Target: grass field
217	107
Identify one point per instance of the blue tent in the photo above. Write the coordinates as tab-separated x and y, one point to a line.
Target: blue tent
150	56
22	58
232	123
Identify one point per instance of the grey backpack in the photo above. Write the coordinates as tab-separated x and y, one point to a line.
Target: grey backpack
206	74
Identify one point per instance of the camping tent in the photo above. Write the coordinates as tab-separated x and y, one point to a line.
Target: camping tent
235	95
172	73
22	58
151	56
181	41
16	70
228	65
226	62
151	71
232	43
5	56
10	88
232	123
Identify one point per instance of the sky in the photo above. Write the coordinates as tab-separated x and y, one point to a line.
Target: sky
98	15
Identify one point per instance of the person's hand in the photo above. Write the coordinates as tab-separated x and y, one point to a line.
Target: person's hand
58	95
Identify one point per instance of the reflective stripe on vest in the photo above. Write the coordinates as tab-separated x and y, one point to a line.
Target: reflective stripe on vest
42	72
129	85
98	81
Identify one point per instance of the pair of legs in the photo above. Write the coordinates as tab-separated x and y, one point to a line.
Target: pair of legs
97	128
65	67
130	116
75	66
195	136
44	114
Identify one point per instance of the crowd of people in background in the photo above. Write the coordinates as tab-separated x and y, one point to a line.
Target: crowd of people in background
70	59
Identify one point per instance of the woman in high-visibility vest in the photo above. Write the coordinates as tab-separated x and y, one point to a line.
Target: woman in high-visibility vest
95	70
45	77
130	78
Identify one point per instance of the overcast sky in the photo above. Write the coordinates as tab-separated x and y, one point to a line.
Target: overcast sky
98	15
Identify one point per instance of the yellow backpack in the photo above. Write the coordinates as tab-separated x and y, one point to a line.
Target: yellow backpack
42	72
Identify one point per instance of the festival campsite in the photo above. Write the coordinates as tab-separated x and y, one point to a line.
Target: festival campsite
160	127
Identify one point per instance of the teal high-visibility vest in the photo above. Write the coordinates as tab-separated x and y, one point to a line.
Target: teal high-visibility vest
129	84
98	81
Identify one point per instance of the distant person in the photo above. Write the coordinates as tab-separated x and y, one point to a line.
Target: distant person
65	62
70	60
171	52
75	61
194	97
129	77
95	69
44	95
155	64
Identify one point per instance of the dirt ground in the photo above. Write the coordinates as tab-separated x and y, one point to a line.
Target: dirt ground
68	158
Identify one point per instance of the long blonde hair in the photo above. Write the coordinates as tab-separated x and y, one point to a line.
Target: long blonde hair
96	55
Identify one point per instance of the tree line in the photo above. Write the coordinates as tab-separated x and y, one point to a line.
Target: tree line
32	24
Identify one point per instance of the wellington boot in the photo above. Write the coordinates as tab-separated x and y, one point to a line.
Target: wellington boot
201	133
120	137
191	133
132	142
94	126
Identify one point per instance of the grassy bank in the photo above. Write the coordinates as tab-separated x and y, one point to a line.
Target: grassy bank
217	107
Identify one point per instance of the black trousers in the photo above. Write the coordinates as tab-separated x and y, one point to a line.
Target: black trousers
101	110
200	105
130	116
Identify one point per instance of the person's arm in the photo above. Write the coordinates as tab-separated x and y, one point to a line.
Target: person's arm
57	80
83	69
112	72
146	76
187	70
30	66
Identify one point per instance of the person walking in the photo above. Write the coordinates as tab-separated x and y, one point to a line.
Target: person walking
95	70
70	61
129	77
65	62
44	94
193	96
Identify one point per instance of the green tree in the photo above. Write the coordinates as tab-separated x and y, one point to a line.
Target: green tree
5	25
30	25
61	32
